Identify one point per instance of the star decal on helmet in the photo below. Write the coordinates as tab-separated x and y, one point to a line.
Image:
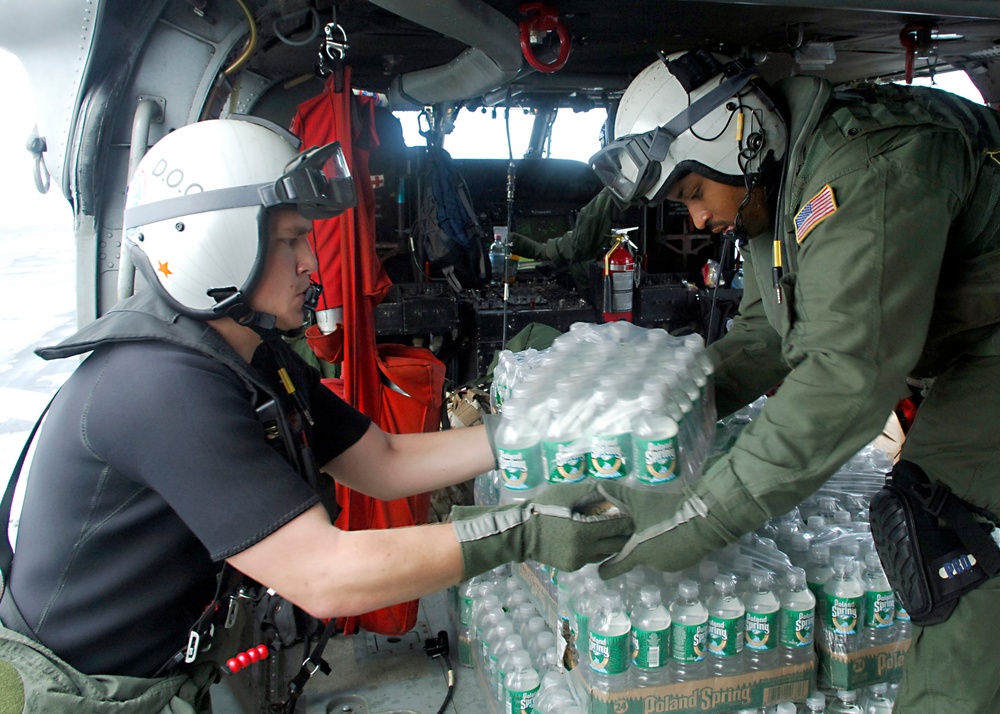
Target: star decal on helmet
165	269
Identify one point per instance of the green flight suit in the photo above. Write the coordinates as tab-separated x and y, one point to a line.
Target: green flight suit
575	249
901	279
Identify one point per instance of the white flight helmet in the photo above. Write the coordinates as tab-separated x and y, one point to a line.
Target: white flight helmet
692	111
196	209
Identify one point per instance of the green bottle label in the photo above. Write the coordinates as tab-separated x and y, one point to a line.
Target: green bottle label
798	627
520	702
465	610
650	648
725	636
607	456
880	609
562	465
842	614
655	460
688	642
609	653
760	631
514	469
901	614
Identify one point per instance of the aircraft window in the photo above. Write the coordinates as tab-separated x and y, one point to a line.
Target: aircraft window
955	82
575	135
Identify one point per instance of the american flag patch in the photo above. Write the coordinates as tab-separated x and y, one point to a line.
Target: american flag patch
820	207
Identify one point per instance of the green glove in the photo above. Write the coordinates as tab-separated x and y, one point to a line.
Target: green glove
675	530
567	526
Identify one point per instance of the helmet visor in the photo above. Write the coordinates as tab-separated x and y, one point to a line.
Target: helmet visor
317	183
630	166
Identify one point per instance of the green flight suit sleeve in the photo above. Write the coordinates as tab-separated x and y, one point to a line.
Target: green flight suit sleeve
855	319
583	243
748	358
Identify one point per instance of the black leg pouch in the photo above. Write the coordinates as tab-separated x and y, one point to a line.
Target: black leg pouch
934	546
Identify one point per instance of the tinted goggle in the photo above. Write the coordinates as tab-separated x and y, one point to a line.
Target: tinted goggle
630	166
317	183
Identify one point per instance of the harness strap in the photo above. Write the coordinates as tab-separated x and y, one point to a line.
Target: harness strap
946	505
6	551
310	665
10	614
938	500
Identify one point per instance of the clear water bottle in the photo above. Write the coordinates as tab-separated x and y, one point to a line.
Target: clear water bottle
761	630
845	703
553	694
521	684
782	708
610	435
630	586
843	607
798	549
480	610
609	645
548	661
818	572
505	663
655	447
650	639
466	626
876	700
688	634
518	453
564	446
522	616
815	703
880	603
534	627
796	619
726	623
496	638
586	605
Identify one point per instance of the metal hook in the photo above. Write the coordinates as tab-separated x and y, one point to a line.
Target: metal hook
335	49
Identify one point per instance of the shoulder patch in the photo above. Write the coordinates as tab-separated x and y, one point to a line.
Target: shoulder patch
818	209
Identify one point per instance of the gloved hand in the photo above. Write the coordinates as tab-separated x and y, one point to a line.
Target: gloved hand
567	526
673	530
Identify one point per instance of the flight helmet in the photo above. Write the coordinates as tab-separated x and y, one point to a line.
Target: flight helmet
692	111
196	210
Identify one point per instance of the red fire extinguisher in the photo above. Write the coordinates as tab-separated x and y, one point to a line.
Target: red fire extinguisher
620	276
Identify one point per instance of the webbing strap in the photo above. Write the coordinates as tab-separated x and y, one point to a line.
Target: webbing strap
6	551
955	511
309	667
10	615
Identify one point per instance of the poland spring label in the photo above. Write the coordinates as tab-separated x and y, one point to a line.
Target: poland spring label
609	653
514	468
520	702
798	628
880	609
650	648
842	614
563	463
607	456
760	631
656	460
725	636
688	642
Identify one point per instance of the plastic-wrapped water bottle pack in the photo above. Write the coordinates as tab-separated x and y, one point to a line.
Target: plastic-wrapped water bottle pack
611	401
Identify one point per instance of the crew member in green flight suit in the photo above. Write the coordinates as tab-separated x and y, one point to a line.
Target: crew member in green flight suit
870	226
